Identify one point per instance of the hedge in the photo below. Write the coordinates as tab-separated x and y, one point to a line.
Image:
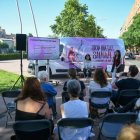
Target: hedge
12	56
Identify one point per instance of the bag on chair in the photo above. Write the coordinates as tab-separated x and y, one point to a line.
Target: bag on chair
94	113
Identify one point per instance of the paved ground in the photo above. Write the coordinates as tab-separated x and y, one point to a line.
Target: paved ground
14	66
129	62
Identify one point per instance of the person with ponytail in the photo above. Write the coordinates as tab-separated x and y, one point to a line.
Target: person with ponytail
74	108
72	73
100	83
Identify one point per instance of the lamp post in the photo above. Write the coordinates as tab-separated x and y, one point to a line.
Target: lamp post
96	25
36	62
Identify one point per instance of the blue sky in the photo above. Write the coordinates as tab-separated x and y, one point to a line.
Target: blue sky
45	11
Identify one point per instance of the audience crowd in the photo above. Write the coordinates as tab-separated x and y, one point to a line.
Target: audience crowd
32	103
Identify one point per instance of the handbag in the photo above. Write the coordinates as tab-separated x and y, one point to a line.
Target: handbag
94	113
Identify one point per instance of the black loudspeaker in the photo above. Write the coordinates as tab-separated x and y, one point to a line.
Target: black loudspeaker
21	42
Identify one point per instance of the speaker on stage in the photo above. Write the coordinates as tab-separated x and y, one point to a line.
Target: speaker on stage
21	42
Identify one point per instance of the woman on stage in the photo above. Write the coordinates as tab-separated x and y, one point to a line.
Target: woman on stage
87	66
117	61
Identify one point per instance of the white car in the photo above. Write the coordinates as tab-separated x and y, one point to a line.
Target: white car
126	56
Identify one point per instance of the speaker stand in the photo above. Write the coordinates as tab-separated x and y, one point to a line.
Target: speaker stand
47	68
21	76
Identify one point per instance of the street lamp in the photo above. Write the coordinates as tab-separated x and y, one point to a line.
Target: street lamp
96	25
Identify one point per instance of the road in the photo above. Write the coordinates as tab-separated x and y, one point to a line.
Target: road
129	62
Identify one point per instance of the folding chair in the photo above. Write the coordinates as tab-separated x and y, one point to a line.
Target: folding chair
49	95
74	123
100	94
128	96
65	96
32	130
113	123
10	105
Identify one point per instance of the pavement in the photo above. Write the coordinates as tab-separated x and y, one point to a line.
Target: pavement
14	66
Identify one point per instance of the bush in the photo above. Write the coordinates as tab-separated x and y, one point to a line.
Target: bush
11	56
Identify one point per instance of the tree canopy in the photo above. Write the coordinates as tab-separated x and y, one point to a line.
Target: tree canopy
74	21
29	35
132	36
53	36
4	45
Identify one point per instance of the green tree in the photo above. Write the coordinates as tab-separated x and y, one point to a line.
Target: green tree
53	36
74	21
11	49
0	47
4	45
29	35
132	36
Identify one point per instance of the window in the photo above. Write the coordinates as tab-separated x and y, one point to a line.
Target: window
60	49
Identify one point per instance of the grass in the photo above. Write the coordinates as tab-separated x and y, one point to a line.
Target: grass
8	79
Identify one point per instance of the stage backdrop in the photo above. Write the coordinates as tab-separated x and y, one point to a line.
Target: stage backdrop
101	51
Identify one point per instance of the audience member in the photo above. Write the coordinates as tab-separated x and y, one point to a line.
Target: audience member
45	87
100	83
30	104
125	84
73	75
131	132
87	66
134	106
74	108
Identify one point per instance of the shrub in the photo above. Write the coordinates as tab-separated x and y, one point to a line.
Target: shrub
11	56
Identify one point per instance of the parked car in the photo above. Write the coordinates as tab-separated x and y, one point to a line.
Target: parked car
126	56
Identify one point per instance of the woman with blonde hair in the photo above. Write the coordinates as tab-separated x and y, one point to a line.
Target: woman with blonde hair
131	132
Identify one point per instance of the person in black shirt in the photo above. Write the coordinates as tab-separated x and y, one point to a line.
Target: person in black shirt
73	75
116	67
125	84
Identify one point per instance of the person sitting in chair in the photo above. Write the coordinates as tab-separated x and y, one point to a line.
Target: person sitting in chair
129	132
45	87
31	105
125	84
87	66
100	83
72	73
74	108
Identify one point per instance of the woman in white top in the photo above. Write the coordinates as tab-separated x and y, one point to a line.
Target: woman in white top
87	66
74	108
100	83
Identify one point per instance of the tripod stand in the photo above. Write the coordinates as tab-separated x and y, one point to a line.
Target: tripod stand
21	76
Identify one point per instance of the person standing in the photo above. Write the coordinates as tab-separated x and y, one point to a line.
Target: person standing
117	61
87	66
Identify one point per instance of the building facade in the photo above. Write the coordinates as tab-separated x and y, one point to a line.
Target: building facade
129	20
10	42
10	39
